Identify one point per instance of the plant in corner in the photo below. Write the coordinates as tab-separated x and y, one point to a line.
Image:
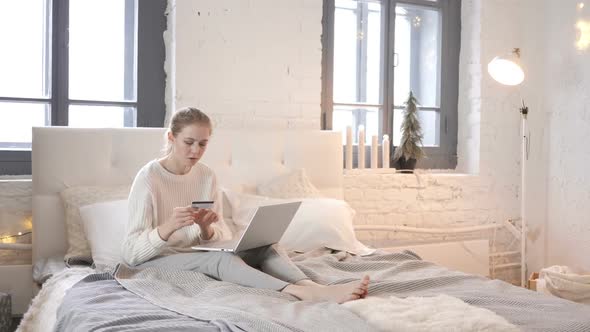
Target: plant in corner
410	149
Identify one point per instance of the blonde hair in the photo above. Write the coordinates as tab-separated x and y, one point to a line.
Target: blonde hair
182	118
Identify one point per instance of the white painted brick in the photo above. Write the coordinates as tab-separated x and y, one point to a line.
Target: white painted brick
353	195
310	91
310	110
434	200
266	123
398	196
436	194
360	219
236	57
373	194
228	122
303	124
268	109
393	218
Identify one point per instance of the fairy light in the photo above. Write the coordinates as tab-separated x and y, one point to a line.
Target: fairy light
26	223
417	21
12	238
583	40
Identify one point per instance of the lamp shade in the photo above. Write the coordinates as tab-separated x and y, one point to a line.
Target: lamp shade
506	69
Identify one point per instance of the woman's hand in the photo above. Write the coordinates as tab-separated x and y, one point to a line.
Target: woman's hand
204	218
181	217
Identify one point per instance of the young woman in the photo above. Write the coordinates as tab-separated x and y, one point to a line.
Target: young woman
163	226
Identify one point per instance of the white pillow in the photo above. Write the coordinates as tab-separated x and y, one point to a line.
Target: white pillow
75	197
104	225
294	184
319	222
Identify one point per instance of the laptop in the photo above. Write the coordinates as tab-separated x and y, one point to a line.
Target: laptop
266	227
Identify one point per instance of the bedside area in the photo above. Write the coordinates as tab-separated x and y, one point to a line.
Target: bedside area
17	280
16	272
470	256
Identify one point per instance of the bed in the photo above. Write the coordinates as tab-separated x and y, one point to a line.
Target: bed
86	298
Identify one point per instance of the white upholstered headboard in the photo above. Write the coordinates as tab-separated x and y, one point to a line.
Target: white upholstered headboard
69	157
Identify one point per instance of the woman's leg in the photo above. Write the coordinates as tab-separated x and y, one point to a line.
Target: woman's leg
231	268
274	260
219	265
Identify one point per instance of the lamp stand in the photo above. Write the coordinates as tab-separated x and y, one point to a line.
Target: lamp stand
524	110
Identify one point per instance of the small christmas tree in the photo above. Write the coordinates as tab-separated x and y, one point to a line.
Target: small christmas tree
410	149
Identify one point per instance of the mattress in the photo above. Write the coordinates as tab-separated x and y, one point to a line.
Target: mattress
154	300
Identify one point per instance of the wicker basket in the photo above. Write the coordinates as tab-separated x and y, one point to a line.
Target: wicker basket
5	312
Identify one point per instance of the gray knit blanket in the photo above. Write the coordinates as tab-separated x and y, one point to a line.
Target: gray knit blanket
155	299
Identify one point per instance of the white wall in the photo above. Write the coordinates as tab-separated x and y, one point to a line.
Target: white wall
562	236
556	91
534	50
567	102
470	76
253	64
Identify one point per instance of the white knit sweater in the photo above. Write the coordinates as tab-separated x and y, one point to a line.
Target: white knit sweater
154	194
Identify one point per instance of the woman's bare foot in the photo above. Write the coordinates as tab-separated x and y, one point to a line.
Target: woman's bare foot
334	293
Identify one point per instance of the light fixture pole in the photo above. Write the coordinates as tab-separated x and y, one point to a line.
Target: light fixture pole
524	110
506	70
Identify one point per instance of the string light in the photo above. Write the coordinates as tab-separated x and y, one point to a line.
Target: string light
417	21
19	234
583	40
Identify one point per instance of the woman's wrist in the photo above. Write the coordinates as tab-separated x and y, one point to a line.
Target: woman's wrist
207	232
163	232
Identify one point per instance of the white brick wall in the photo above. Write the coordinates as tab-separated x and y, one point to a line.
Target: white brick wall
250	64
558	182
430	200
470	73
421	200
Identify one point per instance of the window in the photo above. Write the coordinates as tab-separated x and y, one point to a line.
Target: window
78	63
376	52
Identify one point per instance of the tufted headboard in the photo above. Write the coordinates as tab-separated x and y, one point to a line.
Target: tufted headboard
68	157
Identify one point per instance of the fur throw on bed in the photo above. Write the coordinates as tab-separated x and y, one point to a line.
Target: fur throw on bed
421	314
41	313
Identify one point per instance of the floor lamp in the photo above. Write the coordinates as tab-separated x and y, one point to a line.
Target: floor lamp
506	70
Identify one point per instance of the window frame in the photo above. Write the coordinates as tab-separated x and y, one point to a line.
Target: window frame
151	77
443	156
